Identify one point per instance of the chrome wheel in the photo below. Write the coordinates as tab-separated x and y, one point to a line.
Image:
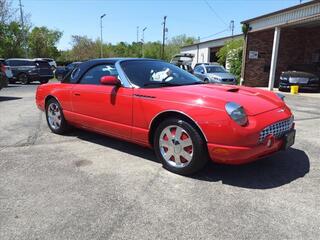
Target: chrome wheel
176	146
54	116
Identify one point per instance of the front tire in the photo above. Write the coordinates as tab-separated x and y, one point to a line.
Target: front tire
180	147
55	117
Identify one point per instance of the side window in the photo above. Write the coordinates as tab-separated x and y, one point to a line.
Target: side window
42	64
13	63
198	69
94	74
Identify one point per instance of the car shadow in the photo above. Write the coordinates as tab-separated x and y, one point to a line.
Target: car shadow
123	146
4	98
270	172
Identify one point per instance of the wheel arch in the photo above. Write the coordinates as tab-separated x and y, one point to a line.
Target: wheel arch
48	98
23	72
172	113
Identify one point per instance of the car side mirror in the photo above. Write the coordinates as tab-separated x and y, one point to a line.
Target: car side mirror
110	80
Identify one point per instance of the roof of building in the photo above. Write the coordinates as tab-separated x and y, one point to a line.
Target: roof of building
213	40
282	11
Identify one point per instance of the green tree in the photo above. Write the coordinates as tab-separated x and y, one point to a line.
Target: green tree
6	11
11	40
231	53
174	45
42	42
84	48
152	50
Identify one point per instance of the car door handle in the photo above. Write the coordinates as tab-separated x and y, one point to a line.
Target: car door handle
77	94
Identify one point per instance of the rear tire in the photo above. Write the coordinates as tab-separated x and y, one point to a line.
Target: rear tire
55	117
23	78
180	147
44	81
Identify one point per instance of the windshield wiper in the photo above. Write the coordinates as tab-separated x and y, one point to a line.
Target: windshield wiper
162	84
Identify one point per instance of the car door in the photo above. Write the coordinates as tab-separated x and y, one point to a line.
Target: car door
103	108
199	72
44	69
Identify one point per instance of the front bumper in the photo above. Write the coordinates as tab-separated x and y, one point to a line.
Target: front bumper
309	86
240	155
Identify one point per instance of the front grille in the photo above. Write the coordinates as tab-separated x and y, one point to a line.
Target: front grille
277	129
227	79
298	80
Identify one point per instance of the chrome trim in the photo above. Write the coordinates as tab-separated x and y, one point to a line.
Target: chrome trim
177	111
123	77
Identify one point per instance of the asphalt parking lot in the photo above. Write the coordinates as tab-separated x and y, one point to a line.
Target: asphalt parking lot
87	186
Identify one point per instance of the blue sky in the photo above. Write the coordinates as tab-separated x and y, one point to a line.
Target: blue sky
191	17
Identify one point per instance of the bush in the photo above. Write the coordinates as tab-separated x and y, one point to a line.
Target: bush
231	53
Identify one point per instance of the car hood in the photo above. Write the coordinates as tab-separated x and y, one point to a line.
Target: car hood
254	101
221	75
298	74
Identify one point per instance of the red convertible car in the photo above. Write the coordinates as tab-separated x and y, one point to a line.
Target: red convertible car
156	104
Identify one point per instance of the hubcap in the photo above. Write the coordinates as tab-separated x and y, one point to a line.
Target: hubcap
176	146
54	116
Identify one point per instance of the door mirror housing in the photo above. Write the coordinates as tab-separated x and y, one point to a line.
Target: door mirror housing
110	80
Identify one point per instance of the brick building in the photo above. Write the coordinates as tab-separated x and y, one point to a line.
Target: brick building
278	40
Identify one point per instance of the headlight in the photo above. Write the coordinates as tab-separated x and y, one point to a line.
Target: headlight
281	96
284	78
237	113
216	78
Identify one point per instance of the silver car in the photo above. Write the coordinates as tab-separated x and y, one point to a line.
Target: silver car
214	74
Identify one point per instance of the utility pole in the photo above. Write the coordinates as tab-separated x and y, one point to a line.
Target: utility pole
163	36
137	34
101	41
142	40
198	47
232	27
23	30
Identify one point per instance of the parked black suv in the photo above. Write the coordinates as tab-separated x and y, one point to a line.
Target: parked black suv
26	70
306	76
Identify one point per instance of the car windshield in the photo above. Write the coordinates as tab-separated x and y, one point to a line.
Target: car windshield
215	69
150	73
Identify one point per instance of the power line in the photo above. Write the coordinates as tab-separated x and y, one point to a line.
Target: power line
215	13
212	35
